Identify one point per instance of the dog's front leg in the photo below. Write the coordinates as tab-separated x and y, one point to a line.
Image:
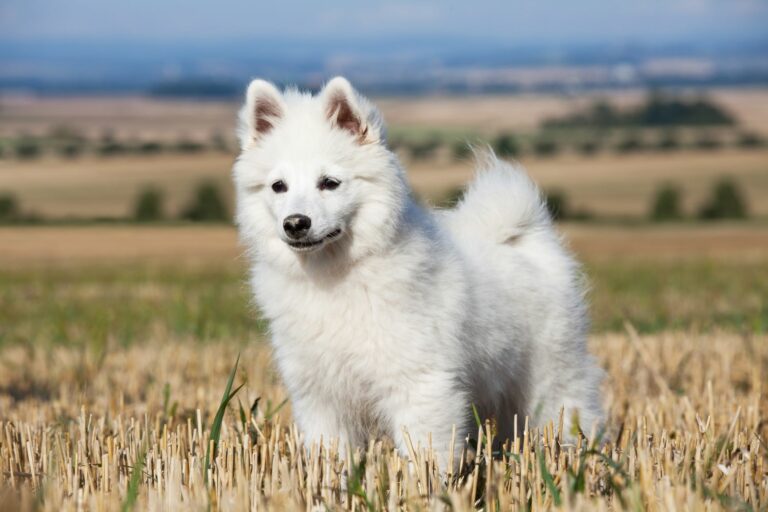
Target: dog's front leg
320	424
429	411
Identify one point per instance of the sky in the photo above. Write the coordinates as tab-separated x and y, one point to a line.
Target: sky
522	21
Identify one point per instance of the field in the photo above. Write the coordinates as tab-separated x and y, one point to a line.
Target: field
90	430
607	184
114	361
118	340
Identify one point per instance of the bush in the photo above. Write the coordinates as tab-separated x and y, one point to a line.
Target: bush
630	144
461	150
9	207
424	149
219	142
545	147
71	149
657	110
149	205
189	146
708	142
207	205
726	202
750	140
588	147
506	146
112	148
669	141
557	204
666	204
27	148
149	148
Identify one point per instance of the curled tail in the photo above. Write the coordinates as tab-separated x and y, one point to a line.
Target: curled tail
502	203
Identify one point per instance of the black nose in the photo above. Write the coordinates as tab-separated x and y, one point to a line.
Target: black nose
297	226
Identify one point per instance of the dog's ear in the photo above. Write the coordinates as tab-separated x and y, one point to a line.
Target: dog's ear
262	110
349	111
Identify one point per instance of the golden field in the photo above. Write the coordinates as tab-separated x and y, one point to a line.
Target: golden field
99	431
605	185
116	343
148	117
608	183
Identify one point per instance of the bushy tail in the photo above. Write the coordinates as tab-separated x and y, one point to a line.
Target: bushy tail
502	203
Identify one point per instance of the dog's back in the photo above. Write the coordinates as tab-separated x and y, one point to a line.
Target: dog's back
536	293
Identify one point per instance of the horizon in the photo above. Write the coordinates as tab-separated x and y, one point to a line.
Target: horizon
524	22
428	45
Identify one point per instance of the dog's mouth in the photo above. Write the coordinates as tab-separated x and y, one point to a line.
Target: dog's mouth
310	245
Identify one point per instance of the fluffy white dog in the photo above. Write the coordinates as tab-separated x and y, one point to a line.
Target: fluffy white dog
387	316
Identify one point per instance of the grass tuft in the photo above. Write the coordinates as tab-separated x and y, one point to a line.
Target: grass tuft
213	441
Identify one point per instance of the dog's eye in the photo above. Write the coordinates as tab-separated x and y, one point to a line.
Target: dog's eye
328	183
279	187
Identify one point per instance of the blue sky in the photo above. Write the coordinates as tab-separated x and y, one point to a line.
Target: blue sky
524	21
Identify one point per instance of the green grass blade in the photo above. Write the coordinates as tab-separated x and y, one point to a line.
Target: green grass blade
219	418
132	493
269	413
476	415
547	477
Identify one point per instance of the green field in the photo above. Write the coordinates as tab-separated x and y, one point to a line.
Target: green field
133	302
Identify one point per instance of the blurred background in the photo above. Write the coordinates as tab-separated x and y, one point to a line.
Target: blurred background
645	123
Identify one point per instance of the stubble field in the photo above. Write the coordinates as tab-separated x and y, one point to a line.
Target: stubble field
113	364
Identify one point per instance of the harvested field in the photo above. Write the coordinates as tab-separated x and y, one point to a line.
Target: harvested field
95	430
606	185
156	118
217	244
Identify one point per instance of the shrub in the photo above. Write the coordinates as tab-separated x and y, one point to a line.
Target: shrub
207	205
666	204
71	149
668	141
9	207
149	148
423	149
461	150
111	148
506	146
630	144
219	142
726	202
750	140
557	204
27	148
588	147
545	146
189	146
657	110
708	141
149	205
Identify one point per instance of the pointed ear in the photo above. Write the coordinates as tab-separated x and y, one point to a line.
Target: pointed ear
349	111
262	110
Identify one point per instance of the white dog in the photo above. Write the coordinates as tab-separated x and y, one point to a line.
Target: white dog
386	316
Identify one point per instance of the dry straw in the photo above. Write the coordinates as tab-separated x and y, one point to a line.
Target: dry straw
687	431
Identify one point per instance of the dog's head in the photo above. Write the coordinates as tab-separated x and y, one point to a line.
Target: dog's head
315	179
